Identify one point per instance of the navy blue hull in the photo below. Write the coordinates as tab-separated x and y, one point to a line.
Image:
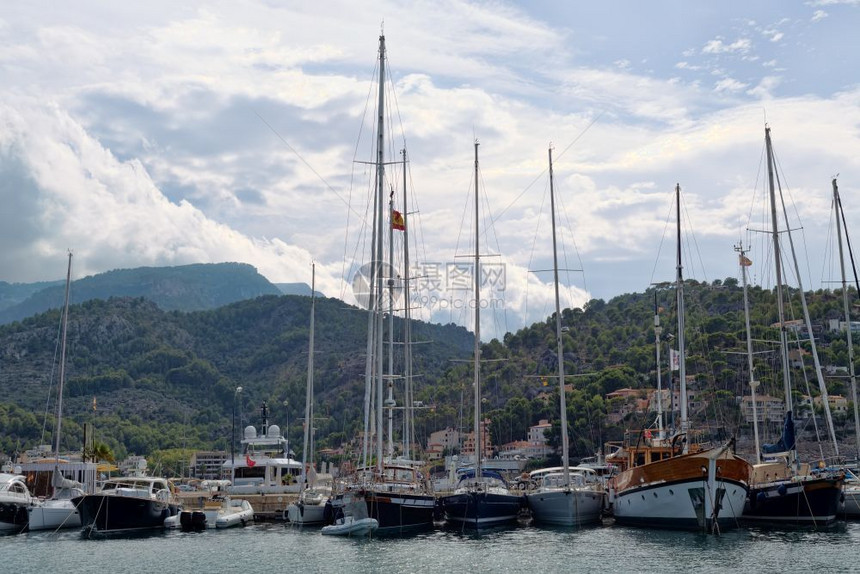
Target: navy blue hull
108	513
480	509
805	502
397	512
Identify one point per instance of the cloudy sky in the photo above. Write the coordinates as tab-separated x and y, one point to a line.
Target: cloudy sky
165	133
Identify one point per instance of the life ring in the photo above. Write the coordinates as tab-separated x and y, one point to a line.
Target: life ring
648	434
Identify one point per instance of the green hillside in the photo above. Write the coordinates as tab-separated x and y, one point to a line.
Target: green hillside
167	379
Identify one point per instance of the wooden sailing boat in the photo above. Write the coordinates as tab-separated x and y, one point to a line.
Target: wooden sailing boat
564	497
315	490
481	498
671	483
394	495
782	490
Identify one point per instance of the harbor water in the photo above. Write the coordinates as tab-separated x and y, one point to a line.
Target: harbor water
276	547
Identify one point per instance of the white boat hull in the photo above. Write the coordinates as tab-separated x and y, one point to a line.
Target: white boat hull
306	514
350	527
235	518
851	506
566	507
53	515
679	505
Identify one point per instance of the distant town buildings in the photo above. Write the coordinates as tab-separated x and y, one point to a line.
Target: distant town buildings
768	409
486	444
440	441
207	464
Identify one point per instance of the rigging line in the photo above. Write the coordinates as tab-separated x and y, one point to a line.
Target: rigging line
352	182
581	267
691	235
662	238
796	214
848	242
828	259
540	175
304	161
492	227
51	379
534	244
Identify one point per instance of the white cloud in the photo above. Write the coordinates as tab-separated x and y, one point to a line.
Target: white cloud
729	85
819	15
717	46
152	149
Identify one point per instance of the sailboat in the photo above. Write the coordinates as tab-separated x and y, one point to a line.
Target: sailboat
481	498
851	505
564	497
671	483
58	510
782	490
395	496
316	491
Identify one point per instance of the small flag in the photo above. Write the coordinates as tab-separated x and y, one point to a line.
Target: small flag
397	221
249	461
674	360
745	261
544	382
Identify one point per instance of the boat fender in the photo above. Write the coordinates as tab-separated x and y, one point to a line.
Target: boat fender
782	490
761	497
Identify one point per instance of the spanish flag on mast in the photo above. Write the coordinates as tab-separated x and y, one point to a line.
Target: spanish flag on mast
397	221
745	261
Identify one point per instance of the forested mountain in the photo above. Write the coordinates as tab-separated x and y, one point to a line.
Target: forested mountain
152	379
610	345
184	288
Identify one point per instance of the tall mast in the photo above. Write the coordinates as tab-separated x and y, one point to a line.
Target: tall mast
682	367
380	183
562	399
389	402
309	392
837	204
407	329
744	263
822	387
780	304
477	381
63	360
658	330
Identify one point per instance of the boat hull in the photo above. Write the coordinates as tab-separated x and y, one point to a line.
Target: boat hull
566	507
677	492
306	514
102	513
13	517
477	509
680	505
851	506
54	514
400	511
813	502
349	527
